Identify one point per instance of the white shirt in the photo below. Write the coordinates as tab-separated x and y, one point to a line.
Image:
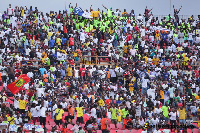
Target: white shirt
37	108
40	91
64	104
16	103
28	51
154	121
93	112
10	11
157	110
103	72
172	115
144	82
141	122
108	114
34	112
46	103
151	92
133	52
54	108
43	112
30	74
18	121
142	32
112	73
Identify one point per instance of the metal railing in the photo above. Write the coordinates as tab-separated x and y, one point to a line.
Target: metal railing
109	60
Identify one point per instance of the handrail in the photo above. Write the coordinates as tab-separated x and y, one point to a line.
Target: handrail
177	63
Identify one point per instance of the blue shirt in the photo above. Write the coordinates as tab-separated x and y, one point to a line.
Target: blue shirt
166	75
63	40
42	70
51	42
164	36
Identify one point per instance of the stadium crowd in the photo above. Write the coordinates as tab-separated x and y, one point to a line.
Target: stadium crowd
150	82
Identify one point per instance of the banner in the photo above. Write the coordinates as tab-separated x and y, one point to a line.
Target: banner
15	86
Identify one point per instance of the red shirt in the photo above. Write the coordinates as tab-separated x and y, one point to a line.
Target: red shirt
71	62
196	72
108	101
30	94
82	71
67	84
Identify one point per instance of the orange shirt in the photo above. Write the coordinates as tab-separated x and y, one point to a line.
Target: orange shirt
71	111
197	97
162	94
108	74
126	121
103	123
45	76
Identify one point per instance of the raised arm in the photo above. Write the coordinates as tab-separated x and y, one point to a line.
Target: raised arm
179	9
104	7
151	10
76	5
90	8
70	5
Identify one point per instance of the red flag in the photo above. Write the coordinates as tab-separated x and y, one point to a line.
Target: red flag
15	86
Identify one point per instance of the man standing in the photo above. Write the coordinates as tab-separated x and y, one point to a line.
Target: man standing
104	124
42	111
58	115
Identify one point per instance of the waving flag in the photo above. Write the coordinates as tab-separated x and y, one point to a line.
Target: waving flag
15	86
78	11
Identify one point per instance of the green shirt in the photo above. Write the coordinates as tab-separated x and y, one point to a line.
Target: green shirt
48	61
165	111
124	113
113	113
109	13
176	99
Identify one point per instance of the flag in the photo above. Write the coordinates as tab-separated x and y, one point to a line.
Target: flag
78	11
15	86
82	13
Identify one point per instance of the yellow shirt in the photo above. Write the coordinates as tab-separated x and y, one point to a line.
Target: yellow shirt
22	104
59	113
145	58
69	70
155	61
186	60
58	41
43	60
130	86
45	54
125	48
181	114
79	111
95	13
49	34
119	115
11	120
22	13
101	102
